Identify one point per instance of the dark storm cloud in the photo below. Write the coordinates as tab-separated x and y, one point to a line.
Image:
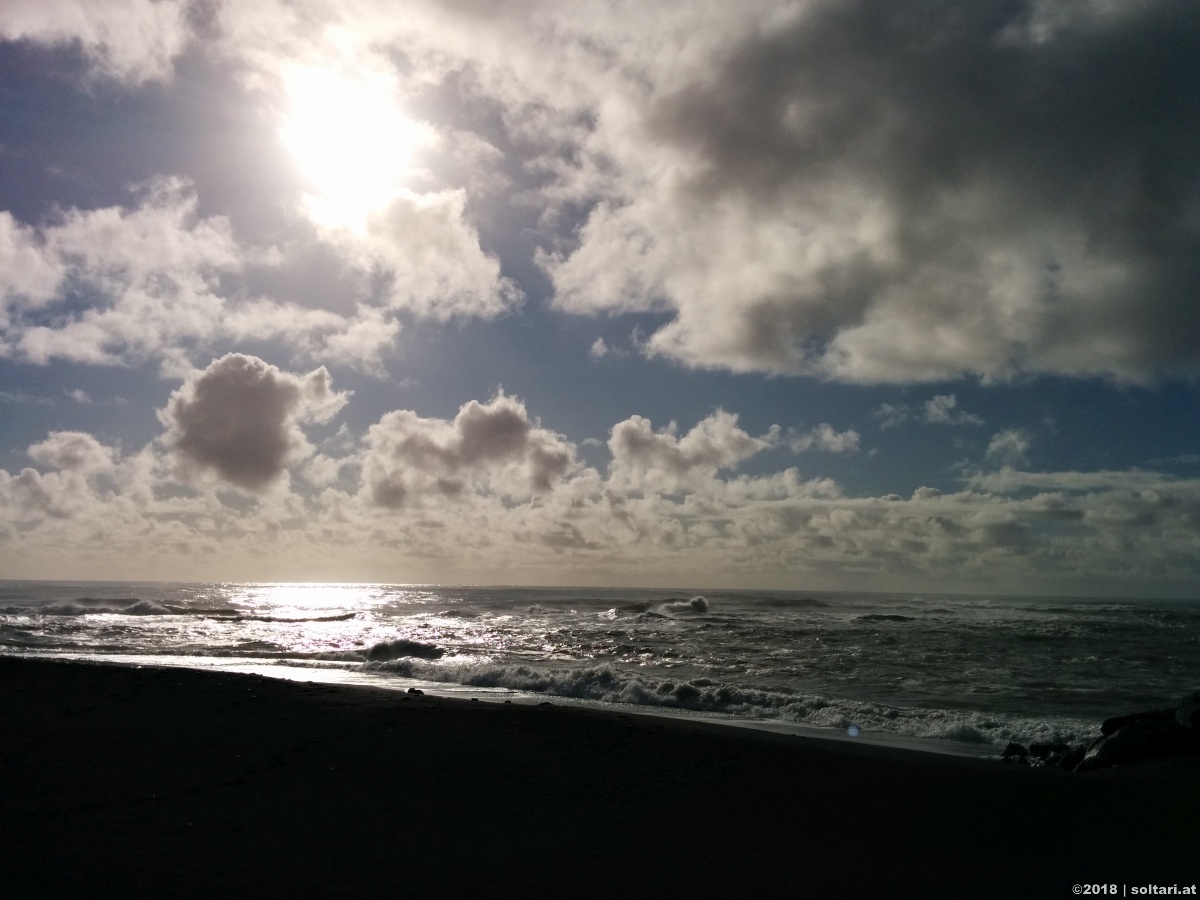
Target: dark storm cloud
238	418
1035	164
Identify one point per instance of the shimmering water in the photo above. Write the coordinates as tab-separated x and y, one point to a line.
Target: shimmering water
976	670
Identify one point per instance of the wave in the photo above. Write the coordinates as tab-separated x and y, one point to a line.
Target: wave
881	617
341	617
647	609
402	648
606	684
694	605
640	606
88	606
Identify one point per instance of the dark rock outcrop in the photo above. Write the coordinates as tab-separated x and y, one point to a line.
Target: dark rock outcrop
1141	739
1145	735
1072	758
1116	723
1187	714
1044	754
1014	752
1123	740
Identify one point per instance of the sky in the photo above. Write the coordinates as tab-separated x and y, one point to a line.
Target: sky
815	295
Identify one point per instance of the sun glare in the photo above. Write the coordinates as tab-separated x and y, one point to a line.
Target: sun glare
351	141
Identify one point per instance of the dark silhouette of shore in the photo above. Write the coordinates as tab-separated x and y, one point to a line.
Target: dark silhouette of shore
122	782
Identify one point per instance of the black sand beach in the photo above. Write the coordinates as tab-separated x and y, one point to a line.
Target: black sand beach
119	782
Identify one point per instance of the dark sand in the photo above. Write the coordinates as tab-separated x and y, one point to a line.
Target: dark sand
119	782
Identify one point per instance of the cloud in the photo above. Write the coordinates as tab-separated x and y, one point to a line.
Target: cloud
147	275
430	258
850	189
599	349
880	192
645	459
892	415
825	437
1008	448
493	446
941	411
66	492
72	451
121	285
80	396
240	418
463	496
129	40
1134	481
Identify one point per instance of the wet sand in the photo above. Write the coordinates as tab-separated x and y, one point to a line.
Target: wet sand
119	782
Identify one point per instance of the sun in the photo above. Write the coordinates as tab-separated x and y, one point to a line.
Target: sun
350	140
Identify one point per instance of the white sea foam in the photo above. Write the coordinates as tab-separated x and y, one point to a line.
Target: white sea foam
605	684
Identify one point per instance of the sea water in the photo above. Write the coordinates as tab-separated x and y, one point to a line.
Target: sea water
966	671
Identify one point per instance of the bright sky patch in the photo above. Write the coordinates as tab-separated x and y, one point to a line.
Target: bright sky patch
350	139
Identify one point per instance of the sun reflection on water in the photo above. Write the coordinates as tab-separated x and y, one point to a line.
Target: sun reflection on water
308	598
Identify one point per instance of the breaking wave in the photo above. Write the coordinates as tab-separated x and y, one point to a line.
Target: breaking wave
402	648
650	609
86	606
606	684
695	605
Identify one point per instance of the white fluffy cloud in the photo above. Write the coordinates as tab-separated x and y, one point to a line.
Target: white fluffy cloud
117	285
827	438
493	446
491	494
649	460
979	192
72	451
941	410
240	418
1009	447
430	255
798	199
75	460
133	40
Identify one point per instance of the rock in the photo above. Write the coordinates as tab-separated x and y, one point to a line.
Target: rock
1043	751
1187	714
415	691
1141	739
1072	758
1014	752
1116	723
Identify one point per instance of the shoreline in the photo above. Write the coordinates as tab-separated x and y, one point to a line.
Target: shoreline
179	782
350	680
336	674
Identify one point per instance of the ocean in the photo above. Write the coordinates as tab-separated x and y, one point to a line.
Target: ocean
952	672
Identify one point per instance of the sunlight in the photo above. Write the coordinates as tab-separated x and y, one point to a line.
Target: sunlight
352	142
305	598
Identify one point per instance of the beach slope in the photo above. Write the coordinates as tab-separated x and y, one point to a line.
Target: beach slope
121	782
